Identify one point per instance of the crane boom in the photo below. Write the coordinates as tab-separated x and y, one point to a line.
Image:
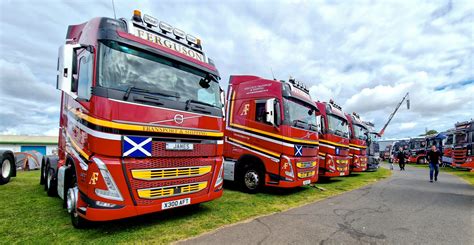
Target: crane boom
395	111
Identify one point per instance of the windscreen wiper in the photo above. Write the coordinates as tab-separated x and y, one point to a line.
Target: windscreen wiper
198	108
298	122
161	93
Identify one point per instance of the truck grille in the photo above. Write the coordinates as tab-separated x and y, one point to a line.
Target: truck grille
200	150
308	164
307	174
459	156
169	191
183	165
170	173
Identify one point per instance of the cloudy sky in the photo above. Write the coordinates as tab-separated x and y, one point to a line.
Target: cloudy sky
364	54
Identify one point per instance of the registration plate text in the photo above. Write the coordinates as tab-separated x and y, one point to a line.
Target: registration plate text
176	203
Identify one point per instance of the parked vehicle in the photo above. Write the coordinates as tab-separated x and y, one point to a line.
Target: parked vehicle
334	140
271	134
396	148
373	148
448	146
140	122
385	154
417	150
8	167
358	143
463	153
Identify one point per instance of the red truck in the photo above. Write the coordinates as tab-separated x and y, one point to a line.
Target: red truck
141	121
417	150
271	136
463	152
333	141
358	143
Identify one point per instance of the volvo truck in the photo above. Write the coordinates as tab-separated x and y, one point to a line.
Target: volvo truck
141	121
334	140
271	136
358	143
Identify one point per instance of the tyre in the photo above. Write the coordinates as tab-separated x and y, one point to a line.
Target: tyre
251	179
43	173
7	165
72	198
420	160
51	183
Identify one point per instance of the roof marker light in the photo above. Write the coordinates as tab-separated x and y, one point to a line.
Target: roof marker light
137	15
191	39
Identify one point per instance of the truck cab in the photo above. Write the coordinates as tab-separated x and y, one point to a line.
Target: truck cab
141	121
463	152
373	147
271	136
334	140
417	150
396	148
358	143
448	146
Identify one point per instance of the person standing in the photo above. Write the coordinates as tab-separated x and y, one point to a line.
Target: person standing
401	159
434	158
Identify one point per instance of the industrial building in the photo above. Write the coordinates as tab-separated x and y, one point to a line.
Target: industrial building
45	145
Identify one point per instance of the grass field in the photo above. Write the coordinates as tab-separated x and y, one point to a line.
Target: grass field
27	215
463	173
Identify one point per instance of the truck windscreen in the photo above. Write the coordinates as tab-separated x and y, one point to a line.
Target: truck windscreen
360	132
122	67
338	126
296	114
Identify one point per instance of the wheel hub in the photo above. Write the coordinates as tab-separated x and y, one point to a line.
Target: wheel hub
71	199
251	179
6	168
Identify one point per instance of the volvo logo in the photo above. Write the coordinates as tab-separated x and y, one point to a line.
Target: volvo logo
178	118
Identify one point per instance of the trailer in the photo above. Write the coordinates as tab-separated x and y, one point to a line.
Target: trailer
141	121
271	136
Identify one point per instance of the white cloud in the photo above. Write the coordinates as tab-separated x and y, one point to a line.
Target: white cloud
364	54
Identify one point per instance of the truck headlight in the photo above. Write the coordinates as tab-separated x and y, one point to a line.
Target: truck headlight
220	176
112	191
288	168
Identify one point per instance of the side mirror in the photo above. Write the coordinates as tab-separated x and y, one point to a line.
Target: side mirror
270	111
318	123
66	68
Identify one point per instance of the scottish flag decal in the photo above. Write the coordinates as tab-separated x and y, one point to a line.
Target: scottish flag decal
298	150
135	146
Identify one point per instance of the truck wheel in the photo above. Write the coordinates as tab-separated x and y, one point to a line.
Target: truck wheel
251	179
71	204
43	173
51	183
7	166
420	160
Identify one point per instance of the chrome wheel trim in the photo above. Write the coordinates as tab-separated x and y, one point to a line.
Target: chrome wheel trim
6	168
251	179
71	200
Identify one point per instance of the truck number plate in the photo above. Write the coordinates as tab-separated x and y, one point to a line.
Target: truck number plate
307	182
179	146
176	203
341	174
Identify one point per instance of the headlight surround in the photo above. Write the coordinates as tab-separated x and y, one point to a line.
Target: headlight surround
112	192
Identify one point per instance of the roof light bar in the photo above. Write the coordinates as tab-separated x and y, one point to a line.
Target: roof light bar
179	33
165	27
150	20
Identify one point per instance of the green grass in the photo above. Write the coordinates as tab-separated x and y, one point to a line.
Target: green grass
27	215
463	173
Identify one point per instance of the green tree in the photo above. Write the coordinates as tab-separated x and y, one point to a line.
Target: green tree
431	131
